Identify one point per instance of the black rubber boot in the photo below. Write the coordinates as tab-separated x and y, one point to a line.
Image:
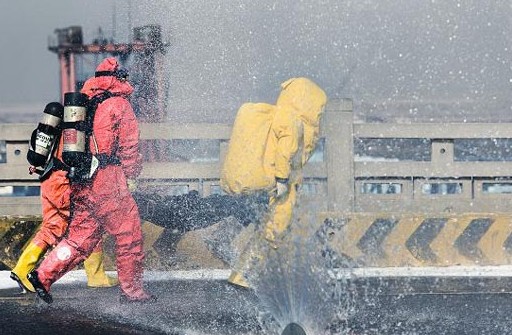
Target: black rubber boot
40	290
23	289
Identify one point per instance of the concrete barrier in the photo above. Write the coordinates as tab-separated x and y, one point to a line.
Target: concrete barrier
165	248
383	196
358	239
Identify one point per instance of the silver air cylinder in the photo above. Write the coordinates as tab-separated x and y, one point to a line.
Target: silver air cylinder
74	133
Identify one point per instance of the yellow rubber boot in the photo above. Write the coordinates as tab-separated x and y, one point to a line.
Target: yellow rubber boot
26	263
247	260
96	276
236	278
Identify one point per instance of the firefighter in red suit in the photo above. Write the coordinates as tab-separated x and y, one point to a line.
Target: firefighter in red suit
105	203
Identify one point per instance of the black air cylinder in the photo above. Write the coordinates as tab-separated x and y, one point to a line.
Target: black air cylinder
45	136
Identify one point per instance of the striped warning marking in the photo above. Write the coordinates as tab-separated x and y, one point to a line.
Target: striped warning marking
385	240
419	243
397	239
353	233
369	240
498	234
16	232
160	244
151	233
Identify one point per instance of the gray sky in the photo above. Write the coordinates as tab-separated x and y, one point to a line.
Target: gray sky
418	59
30	76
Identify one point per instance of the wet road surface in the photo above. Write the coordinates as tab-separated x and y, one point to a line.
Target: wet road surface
214	307
183	307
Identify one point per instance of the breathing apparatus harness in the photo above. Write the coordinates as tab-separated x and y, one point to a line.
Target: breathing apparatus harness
77	127
44	141
121	74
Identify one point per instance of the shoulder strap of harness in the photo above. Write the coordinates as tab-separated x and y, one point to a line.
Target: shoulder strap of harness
93	103
54	164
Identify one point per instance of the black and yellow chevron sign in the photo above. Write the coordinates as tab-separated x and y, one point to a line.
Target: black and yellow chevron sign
159	242
368	240
385	240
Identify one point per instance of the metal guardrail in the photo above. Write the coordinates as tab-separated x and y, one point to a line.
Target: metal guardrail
452	179
181	158
344	174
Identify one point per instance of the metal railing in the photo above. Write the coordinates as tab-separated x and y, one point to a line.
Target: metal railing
347	172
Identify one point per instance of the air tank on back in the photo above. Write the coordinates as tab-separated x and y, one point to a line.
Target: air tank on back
74	151
44	138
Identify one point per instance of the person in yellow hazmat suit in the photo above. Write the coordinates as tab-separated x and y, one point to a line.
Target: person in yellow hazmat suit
294	133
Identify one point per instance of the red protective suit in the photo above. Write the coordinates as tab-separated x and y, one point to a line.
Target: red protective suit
105	203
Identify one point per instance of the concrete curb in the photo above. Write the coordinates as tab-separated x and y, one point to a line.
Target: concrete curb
78	276
438	272
502	271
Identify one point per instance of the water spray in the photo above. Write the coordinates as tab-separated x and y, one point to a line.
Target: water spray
293	329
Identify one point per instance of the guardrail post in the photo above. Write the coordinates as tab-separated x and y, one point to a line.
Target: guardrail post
339	145
442	154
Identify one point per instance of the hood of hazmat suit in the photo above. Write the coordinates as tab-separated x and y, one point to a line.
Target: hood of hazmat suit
296	127
97	85
115	117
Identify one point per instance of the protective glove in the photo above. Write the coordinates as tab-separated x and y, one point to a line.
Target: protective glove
95	164
132	185
282	189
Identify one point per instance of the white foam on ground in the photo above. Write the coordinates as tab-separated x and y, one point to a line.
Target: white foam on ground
78	276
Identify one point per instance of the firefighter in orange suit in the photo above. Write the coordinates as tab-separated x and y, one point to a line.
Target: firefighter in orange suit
104	203
55	201
293	137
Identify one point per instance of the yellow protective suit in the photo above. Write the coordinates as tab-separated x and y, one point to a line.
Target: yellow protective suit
244	170
293	137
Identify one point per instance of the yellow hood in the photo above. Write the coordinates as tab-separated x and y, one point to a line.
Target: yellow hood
305	98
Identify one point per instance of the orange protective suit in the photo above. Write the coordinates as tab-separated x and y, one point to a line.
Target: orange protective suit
55	202
105	203
55	192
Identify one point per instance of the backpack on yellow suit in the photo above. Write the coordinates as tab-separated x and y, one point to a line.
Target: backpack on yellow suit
244	170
